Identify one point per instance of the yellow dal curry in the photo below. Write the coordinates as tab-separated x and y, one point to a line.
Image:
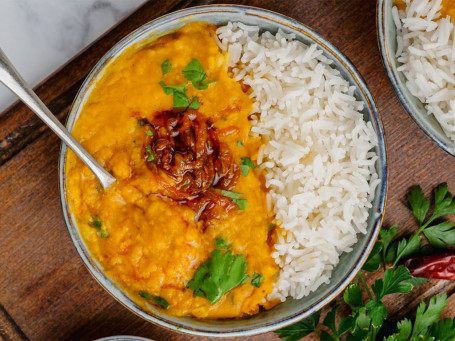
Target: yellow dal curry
148	243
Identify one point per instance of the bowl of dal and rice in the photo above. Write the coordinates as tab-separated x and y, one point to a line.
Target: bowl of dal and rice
417	43
251	171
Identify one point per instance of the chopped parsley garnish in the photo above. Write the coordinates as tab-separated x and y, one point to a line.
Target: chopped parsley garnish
171	89
157	299
229	194
257	279
239	143
196	75
271	227
149	133
166	67
161	302
140	122
219	274
246	165
180	100
223	118
145	294
241	203
150	156
96	223
194	103
221	243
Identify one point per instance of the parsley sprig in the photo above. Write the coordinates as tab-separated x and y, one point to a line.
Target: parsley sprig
368	315
221	273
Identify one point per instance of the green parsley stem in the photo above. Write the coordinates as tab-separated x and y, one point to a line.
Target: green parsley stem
364	282
419	231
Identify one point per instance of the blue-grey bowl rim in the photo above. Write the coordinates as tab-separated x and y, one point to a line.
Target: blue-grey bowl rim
291	24
392	75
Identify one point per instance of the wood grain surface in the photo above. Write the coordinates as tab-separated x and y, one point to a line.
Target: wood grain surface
46	293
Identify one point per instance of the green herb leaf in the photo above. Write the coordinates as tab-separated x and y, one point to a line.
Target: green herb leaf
270	227
145	295
443	330
419	204
196	75
441	235
194	103
374	259
223	118
241	203
171	89
377	313
239	143
329	320
326	336
180	100
246	164
425	317
161	302
96	223
299	330
218	275
404	331
229	194
140	122
416	281
444	203
353	296
149	133
406	248
221	243
346	324
257	279
394	282
166	67
387	237
150	156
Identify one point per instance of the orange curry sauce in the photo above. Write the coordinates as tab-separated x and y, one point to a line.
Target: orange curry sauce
448	7
145	231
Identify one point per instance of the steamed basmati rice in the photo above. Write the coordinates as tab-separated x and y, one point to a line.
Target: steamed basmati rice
318	158
426	51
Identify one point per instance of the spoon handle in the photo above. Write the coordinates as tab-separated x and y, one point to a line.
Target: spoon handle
11	78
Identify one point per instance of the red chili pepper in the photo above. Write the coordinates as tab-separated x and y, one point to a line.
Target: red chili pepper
436	266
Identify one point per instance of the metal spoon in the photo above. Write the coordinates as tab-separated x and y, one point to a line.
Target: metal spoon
10	77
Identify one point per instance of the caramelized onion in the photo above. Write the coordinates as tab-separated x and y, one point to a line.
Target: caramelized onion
189	161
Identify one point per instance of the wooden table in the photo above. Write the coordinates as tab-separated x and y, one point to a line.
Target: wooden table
46	293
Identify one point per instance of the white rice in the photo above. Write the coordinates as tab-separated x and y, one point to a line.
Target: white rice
426	52
318	157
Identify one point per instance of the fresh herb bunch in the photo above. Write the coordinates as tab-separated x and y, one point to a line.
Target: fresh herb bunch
368	317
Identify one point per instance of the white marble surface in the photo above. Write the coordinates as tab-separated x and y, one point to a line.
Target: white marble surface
39	36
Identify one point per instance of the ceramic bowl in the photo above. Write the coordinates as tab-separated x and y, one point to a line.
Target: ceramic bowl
292	310
414	107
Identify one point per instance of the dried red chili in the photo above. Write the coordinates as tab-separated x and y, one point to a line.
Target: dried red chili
435	266
184	151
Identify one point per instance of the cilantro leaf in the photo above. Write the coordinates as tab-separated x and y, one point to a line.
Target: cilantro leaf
441	235
166	67
195	73
353	296
377	313
374	259
161	302
426	316
444	203
180	100
246	164
221	243
194	103
96	223
387	237
241	203
145	295
299	330
395	281
170	89
404	331
443	330
229	194
419	203
257	279
406	247
218	275
239	143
